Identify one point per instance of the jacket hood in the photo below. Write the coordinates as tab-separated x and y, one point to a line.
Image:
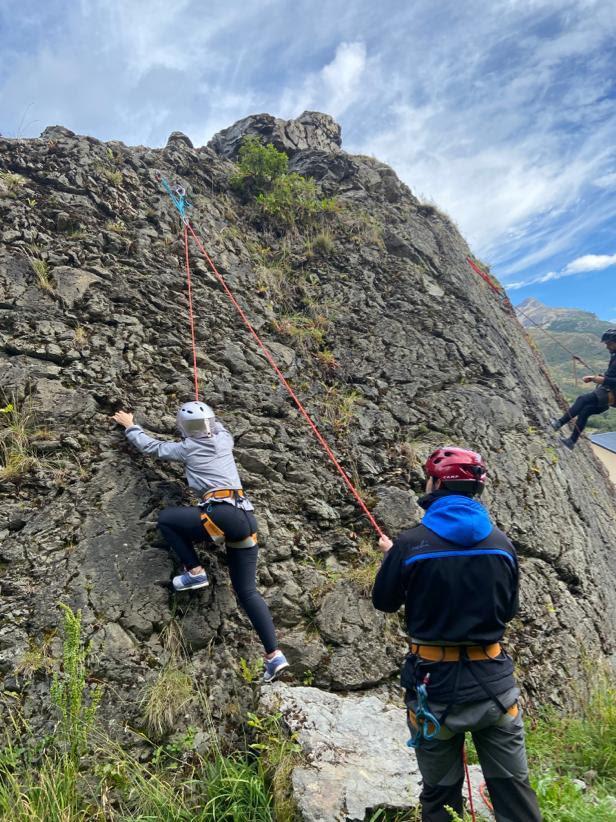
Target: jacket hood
458	519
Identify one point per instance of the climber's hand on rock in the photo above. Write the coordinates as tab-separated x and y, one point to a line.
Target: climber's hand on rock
123	418
385	544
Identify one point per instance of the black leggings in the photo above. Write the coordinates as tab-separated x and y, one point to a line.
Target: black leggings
181	527
584	407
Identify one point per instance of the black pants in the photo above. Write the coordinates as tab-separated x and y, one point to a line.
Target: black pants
182	527
584	407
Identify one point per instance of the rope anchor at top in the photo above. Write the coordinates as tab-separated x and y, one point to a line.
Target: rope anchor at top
177	194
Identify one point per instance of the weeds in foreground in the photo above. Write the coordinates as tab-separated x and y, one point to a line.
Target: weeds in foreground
16	436
169	695
40	267
50	779
75	701
578	745
279	753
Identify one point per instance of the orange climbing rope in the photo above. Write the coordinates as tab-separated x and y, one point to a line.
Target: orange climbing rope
178	198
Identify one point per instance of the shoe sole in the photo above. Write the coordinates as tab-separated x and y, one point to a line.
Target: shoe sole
276	673
191	587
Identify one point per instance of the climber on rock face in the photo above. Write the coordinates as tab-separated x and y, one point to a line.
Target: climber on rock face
595	402
224	515
457	576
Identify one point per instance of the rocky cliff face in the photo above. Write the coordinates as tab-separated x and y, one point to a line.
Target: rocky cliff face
388	335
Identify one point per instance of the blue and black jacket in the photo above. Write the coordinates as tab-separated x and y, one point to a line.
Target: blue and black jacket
457	576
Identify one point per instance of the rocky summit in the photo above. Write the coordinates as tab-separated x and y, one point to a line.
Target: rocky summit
386	333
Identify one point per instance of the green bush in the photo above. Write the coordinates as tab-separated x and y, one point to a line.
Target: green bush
286	200
293	201
259	167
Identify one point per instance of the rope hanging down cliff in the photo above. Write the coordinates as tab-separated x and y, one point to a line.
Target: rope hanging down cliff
178	197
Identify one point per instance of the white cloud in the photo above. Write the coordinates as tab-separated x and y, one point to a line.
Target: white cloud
581	265
334	88
590	262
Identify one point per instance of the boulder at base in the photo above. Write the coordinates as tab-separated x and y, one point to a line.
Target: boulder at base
355	754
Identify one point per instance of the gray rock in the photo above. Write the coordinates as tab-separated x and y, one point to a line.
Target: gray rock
72	284
415	351
179	137
355	756
311	130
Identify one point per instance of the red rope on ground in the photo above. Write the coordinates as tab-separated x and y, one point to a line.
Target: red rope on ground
483	793
190	315
282	379
468	782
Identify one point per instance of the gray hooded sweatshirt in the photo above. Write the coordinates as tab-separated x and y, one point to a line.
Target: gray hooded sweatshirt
208	461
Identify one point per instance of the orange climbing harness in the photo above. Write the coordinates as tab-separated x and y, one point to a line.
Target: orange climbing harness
178	196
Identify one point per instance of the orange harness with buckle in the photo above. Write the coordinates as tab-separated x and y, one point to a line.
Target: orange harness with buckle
453	653
216	534
223	493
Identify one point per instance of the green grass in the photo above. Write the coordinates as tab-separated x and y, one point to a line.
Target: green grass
16	436
77	773
11	182
40	267
579	745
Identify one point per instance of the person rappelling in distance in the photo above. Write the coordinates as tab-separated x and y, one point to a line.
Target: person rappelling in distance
225	515
593	402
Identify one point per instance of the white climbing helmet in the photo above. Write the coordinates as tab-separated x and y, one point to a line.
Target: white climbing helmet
194	419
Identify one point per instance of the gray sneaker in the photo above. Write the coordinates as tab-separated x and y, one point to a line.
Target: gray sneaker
555	424
188	581
274	666
567	442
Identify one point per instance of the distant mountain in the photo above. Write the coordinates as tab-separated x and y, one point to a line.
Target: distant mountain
556	329
559	319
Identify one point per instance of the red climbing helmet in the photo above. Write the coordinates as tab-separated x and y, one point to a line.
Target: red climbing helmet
451	464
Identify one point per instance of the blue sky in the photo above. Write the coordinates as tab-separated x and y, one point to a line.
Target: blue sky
502	113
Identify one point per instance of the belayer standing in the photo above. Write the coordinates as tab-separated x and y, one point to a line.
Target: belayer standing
225	514
457	576
595	402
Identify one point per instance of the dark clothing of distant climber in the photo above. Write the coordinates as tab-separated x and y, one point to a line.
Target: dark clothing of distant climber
595	402
456	574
